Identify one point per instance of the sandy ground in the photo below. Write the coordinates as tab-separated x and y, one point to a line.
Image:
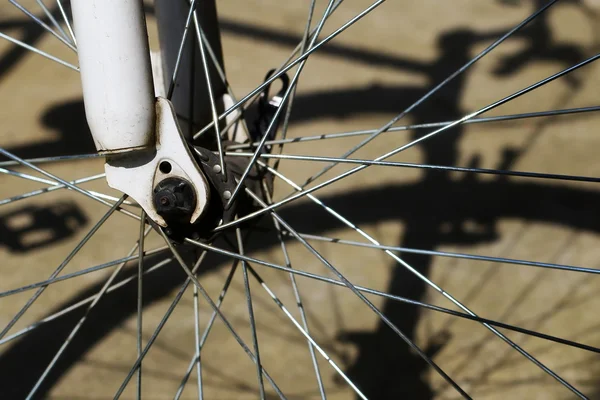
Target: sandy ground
359	81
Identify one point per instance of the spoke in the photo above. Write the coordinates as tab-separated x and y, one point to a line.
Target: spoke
453	255
53	20
84	317
208	327
408	145
192	277
304	44
416	273
55	186
83	302
350	286
485	171
39	52
197	333
305	333
430	93
275	117
38	293
85	271
157	331
211	97
501	118
259	376
180	51
68	184
394	297
40	160
298	298
140	304
42	24
66	19
292	64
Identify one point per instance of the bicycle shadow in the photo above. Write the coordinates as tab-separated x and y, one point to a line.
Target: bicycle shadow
384	368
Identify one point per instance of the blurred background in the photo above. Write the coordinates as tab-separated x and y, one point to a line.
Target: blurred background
360	80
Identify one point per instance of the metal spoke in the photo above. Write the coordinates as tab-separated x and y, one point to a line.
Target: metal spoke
193	278
40	160
415	272
39	52
140	304
348	284
66	19
502	260
275	117
180	51
431	92
68	184
408	145
480	120
54	186
53	20
208	327
72	275
297	296
378	293
523	174
304	44
211	97
72	254
157	331
83	318
83	302
304	332
42	24
259	376
292	64
197	334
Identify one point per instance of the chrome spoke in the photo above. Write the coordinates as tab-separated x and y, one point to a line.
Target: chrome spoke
85	271
42	24
39	52
192	277
197	334
69	185
415	272
523	174
259	376
67	23
157	331
298	298
350	286
275	116
72	254
211	97
180	51
208	327
53	20
431	92
408	145
83	302
40	160
283	308
480	120
502	260
81	321
140	304
292	64
389	296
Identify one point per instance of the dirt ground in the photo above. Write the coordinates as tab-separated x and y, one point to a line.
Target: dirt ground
360	80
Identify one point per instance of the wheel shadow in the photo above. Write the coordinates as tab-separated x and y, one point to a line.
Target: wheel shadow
384	368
